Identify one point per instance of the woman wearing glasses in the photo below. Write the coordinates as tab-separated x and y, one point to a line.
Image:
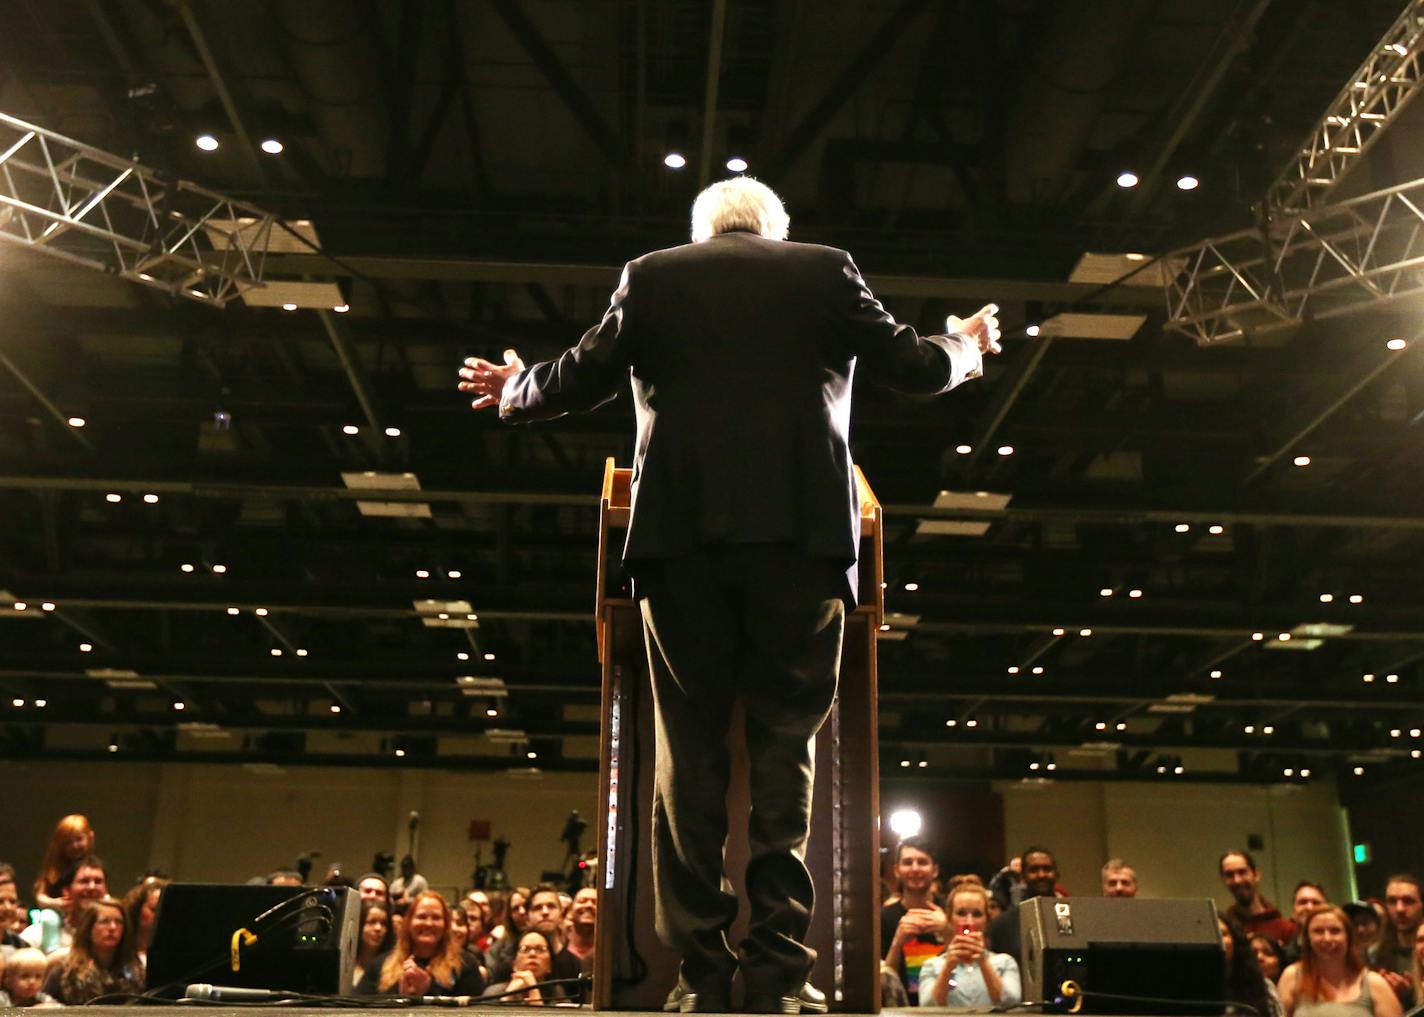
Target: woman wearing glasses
533	962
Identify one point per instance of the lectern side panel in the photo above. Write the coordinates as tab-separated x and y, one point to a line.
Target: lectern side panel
843	857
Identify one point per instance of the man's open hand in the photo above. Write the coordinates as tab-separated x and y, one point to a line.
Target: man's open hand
486	379
982	326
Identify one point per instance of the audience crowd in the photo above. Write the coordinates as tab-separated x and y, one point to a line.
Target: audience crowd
79	943
955	942
950	942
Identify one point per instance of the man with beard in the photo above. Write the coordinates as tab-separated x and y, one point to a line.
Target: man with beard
1257	915
583	917
1040	879
1392	955
913	929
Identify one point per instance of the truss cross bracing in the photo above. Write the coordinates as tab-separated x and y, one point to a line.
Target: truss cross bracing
1317	263
1370	101
75	202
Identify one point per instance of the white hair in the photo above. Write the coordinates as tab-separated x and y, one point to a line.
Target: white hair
740	203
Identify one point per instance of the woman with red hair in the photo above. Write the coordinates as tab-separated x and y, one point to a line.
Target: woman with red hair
426	960
1330	978
73	839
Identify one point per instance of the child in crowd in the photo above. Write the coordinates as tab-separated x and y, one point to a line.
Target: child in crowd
24	974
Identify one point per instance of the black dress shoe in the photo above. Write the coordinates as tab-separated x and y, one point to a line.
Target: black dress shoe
685	999
809	1000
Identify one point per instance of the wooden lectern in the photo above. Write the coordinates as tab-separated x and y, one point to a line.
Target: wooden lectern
633	970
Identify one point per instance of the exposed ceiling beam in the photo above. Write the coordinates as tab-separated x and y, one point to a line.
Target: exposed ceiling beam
580	106
875	50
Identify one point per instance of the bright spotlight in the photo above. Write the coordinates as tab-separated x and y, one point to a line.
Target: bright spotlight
737	164
1187	182
341	308
393	432
272	146
289	307
350	429
1395	344
674	160
1032	330
1127	179
905	823
77	421
206	142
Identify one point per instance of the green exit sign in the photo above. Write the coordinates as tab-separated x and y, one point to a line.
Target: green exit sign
1363	854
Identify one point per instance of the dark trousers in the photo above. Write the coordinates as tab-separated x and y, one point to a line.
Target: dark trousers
761	623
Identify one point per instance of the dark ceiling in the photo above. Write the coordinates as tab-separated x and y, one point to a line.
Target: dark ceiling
477	170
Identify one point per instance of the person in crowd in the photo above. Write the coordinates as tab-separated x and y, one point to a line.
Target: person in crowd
1119	879
23	981
373	886
477	913
1243	982
1255	914
1330	978
533	959
583	920
1040	878
913	928
546	915
10	915
1306	897
425	960
409	884
377	939
1368	924
1392	956
995	908
967	974
1270	956
72	840
284	877
500	957
460	928
101	959
141	905
1006	886
85	883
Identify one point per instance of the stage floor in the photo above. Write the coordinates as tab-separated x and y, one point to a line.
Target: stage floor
482	1011
491	1010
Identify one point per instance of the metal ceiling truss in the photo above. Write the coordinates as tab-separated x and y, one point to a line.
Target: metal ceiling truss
1318	263
78	203
1371	100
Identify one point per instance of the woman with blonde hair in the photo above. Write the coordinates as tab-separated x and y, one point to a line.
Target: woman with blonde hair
967	974
101	961
1330	978
72	839
426	960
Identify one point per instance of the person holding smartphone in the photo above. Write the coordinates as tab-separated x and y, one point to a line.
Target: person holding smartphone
968	974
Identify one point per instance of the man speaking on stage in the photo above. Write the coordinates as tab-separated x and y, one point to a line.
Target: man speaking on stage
741	348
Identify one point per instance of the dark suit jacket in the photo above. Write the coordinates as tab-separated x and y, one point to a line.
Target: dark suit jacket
741	352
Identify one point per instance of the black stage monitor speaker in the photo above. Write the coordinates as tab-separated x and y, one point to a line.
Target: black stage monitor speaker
1162	949
306	938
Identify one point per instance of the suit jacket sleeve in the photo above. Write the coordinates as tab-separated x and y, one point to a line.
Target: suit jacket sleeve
582	378
894	354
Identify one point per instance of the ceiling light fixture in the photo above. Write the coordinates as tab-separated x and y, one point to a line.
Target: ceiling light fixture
77	421
1395	344
1187	182
206	142
1127	178
393	432
113	499
737	164
272	146
350	429
674	160
341	308
1006	450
